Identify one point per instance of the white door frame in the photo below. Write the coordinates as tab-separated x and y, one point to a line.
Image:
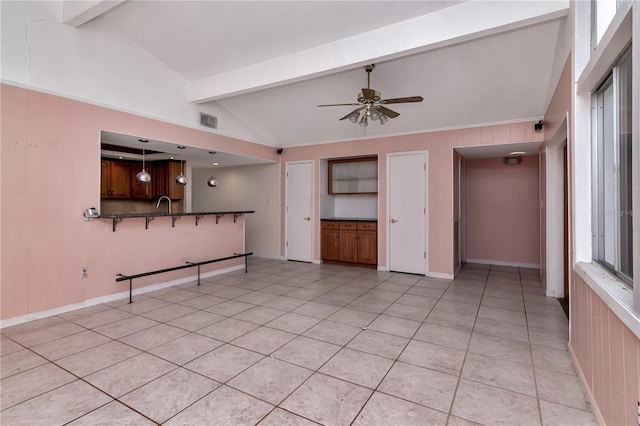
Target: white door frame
313	207
426	204
463	210
554	212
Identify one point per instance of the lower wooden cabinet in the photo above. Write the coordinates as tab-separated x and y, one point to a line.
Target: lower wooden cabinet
330	244
350	242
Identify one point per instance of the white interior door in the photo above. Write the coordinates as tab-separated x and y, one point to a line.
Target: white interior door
407	212
299	208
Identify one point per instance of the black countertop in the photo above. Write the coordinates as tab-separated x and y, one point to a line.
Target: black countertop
148	217
351	219
130	215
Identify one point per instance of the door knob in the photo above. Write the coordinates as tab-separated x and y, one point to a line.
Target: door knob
394	220
307	218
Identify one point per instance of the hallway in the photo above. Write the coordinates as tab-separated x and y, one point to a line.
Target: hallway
296	343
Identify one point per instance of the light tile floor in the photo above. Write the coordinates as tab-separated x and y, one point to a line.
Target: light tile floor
301	344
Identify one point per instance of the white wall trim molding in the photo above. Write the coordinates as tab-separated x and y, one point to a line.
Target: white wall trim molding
418	132
554	211
383	269
112	297
504	263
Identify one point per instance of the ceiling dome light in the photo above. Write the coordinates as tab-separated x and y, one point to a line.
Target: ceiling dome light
212	182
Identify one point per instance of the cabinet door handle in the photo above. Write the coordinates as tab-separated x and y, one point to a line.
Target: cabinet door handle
307	218
394	220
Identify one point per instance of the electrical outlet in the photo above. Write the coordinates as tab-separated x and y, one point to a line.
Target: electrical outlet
85	272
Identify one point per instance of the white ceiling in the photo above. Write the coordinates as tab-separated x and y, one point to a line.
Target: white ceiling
270	63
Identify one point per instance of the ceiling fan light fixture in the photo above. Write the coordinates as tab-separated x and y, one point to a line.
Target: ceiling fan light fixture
372	105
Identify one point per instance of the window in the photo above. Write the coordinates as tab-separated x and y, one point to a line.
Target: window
612	218
602	13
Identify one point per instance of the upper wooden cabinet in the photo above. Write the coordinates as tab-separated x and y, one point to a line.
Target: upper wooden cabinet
141	191
163	179
118	180
114	179
353	176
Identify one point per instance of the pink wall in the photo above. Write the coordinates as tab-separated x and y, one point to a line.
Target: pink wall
50	173
607	355
440	146
560	103
502	211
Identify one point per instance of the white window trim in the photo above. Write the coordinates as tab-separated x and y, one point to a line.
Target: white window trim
613	292
622	300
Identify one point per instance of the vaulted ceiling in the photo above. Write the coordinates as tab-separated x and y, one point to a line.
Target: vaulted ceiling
270	63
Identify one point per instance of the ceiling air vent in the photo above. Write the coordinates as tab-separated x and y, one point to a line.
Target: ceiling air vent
207	120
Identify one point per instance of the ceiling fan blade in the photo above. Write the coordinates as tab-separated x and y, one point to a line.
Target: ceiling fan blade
347	116
402	100
339	105
368	94
386	111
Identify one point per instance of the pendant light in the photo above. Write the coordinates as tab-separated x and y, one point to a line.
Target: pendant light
212	181
143	176
181	179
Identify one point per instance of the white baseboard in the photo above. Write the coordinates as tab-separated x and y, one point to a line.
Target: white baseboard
504	263
383	269
261	256
111	297
442	275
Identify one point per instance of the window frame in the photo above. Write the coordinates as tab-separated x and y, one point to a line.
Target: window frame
589	69
601	209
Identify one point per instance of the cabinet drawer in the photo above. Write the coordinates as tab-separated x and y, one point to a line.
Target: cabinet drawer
367	226
330	224
348	225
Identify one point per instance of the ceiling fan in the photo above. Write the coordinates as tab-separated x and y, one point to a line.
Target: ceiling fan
371	106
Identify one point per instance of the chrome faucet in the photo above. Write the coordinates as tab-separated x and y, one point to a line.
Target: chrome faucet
164	197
